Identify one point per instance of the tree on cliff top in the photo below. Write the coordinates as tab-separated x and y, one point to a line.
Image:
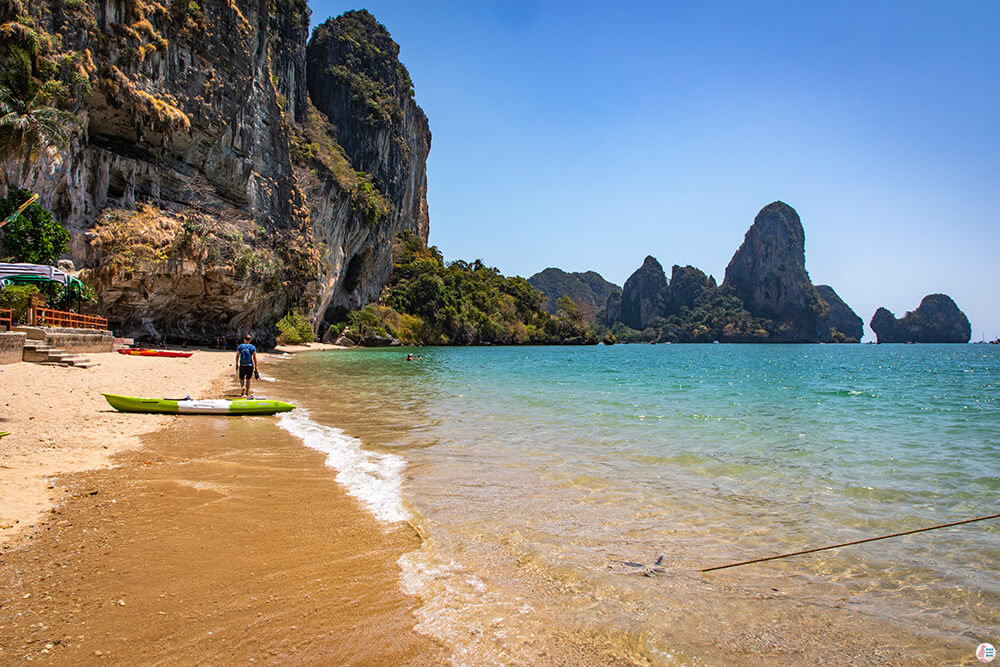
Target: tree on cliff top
29	128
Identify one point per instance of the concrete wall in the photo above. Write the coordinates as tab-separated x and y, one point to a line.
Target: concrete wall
76	341
11	347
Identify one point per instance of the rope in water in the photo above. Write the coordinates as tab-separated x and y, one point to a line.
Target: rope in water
847	544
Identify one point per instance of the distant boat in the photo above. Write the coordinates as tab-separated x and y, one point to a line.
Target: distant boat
143	352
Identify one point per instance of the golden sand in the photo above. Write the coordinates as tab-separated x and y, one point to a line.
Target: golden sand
211	541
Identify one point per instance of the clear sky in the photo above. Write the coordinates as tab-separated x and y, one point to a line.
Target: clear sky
586	135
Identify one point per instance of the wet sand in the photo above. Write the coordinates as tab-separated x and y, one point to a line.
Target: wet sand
221	540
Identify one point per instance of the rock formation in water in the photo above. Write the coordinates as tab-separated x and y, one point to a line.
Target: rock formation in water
588	290
845	324
210	193
936	320
768	274
767	295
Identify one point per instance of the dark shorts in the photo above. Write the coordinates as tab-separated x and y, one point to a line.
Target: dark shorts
246	372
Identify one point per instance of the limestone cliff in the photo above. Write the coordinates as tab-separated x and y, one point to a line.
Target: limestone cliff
845	325
767	295
206	195
686	288
642	295
936	320
356	80
768	274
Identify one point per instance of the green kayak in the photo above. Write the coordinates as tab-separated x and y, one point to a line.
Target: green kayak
202	406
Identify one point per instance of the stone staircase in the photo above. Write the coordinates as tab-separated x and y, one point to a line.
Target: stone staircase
39	352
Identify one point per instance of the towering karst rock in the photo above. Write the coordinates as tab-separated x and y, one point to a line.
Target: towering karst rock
766	297
936	320
768	274
642	295
208	195
356	80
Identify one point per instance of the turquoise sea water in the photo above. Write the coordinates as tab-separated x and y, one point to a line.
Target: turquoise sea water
569	496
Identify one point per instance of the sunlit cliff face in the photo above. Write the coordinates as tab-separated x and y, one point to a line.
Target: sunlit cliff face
221	183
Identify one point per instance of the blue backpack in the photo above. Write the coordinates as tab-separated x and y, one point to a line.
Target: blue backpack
246	353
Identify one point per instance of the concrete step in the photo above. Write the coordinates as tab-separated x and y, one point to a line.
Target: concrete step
40	353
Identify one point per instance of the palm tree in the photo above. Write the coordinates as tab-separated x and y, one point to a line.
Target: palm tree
28	128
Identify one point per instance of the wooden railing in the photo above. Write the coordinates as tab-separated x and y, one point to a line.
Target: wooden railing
5	319
47	317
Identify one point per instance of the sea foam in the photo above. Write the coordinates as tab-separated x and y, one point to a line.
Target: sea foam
373	478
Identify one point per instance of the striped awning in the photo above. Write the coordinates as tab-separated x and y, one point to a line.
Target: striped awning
33	273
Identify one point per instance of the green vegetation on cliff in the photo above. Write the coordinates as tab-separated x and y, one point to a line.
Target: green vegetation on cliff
589	291
461	303
714	315
33	236
29	127
370	68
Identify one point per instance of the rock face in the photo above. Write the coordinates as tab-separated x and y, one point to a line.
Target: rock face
687	285
588	290
768	274
208	196
936	320
842	319
356	80
642	295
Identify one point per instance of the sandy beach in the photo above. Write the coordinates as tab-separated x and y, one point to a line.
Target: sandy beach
143	539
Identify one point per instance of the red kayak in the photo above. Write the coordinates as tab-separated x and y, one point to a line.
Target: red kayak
142	352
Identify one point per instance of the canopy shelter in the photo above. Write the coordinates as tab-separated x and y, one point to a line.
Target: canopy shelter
27	274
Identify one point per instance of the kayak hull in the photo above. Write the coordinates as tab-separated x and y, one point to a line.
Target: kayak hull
142	352
204	406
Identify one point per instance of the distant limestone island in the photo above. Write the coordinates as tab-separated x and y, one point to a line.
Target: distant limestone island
936	320
766	297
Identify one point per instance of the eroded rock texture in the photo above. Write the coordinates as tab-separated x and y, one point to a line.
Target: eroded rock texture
207	195
768	273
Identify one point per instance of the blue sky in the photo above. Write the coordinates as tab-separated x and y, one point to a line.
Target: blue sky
587	135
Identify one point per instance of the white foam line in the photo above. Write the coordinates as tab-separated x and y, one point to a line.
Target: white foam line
373	478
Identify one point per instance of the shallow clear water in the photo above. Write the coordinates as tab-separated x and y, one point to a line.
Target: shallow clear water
546	479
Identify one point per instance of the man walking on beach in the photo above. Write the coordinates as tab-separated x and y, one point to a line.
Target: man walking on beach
246	364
